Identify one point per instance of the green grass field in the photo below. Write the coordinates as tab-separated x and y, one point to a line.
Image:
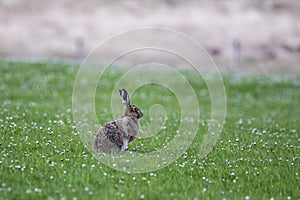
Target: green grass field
42	156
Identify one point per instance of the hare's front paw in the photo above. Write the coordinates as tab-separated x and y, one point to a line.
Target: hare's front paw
125	145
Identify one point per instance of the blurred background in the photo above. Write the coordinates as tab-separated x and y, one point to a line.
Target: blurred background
250	36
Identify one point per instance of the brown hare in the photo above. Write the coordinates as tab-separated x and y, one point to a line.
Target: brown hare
114	136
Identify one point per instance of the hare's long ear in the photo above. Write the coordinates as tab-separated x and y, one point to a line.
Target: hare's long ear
125	99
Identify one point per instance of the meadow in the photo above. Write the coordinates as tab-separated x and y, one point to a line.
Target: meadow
42	156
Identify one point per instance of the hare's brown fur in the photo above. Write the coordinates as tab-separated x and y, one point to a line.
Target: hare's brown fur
114	136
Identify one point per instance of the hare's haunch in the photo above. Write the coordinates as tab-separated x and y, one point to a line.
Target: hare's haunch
114	136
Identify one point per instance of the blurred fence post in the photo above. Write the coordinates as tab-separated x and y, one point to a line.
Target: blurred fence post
235	54
79	48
